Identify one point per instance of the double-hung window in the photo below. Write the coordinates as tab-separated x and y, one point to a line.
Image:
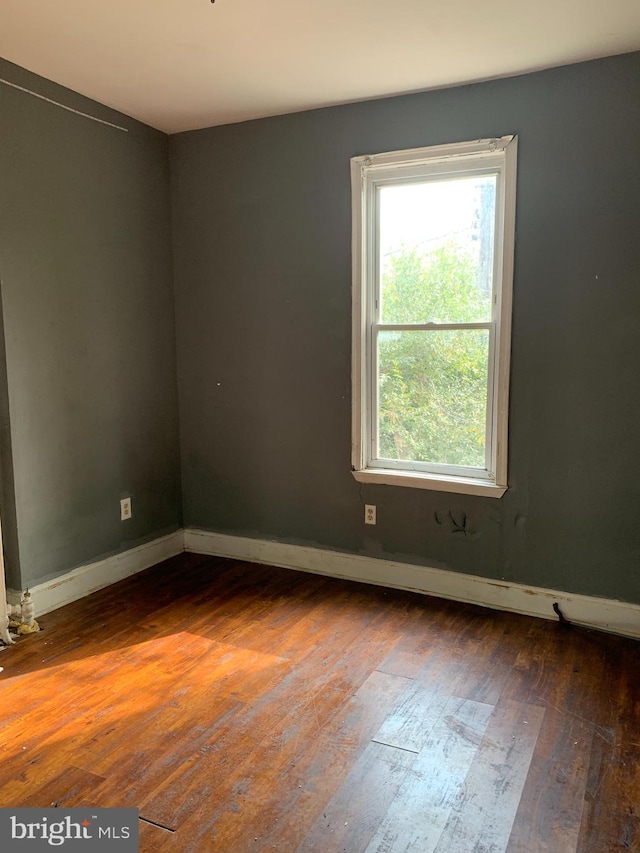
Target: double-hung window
433	241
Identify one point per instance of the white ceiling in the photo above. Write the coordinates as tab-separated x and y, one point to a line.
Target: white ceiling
185	64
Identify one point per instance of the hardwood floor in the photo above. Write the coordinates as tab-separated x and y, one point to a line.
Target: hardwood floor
247	708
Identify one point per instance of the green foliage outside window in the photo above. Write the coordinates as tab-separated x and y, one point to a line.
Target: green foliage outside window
433	384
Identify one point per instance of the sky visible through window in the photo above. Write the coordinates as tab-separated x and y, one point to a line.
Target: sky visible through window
425	216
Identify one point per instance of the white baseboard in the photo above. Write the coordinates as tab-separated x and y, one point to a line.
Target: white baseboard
84	580
605	614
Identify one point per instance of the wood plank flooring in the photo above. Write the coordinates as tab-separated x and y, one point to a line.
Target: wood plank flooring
248	708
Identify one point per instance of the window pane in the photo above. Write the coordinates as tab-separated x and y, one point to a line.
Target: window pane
436	250
432	396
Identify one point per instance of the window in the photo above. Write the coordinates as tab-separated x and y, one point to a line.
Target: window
433	237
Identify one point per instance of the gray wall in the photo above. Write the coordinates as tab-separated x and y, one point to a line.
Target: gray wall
261	216
88	398
261	237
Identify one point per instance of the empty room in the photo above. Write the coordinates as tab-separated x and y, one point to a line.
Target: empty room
319	425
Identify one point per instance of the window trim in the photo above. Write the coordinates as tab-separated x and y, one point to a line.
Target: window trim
498	153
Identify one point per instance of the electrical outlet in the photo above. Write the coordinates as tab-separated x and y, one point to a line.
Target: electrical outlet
369	514
125	509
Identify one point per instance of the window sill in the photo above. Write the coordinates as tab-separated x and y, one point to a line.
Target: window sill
437	483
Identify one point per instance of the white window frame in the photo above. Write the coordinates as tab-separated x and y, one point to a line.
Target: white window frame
496	156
